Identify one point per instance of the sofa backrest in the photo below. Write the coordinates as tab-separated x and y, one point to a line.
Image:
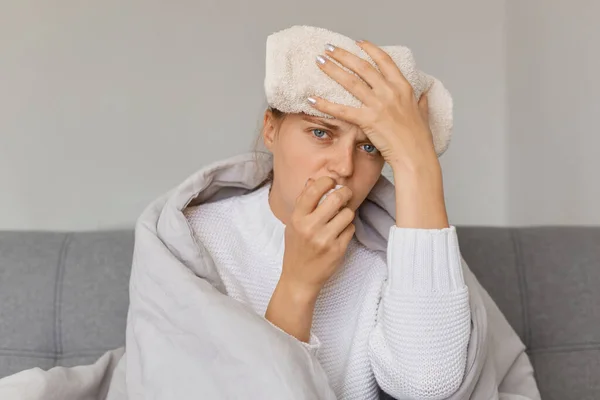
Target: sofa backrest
64	297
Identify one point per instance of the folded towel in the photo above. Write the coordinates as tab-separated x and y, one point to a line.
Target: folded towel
291	75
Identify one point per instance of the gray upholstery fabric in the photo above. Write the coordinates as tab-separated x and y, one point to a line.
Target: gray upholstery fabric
63	298
545	280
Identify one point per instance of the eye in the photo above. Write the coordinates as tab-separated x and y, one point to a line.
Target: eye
369	148
319	133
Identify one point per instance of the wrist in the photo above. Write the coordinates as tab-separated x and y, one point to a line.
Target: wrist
420	196
298	293
428	166
291	310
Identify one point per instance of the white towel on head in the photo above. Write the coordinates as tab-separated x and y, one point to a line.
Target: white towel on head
291	75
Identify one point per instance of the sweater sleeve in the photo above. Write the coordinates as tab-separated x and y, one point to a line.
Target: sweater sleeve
418	347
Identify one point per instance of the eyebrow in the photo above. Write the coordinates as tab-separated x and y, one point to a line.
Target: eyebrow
332	127
320	122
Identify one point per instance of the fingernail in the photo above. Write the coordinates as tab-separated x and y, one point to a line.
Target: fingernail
329	47
321	59
311	100
360	41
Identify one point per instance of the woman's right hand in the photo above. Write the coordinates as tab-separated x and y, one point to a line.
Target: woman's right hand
316	239
317	236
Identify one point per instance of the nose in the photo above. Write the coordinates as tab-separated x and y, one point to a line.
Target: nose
342	163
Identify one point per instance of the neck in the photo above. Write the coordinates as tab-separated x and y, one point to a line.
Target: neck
278	205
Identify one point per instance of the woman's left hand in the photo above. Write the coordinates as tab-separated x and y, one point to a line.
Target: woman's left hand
397	125
391	117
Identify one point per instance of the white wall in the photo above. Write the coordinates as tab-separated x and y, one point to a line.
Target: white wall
554	104
106	105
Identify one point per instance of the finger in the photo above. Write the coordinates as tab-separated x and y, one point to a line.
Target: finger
339	111
346	236
424	106
308	182
349	81
332	205
312	193
358	65
386	65
338	224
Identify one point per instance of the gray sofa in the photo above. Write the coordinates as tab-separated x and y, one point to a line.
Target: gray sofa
63	298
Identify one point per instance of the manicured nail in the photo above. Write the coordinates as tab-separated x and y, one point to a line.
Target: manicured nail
360	41
311	100
329	47
321	59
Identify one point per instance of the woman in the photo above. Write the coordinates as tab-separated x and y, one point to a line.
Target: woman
296	262
331	283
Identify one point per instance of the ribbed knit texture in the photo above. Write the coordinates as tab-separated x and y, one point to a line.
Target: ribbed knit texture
408	334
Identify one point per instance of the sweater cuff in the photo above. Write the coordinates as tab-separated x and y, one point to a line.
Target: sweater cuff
424	260
313	345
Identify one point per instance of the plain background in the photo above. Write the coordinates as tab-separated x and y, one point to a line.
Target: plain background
105	105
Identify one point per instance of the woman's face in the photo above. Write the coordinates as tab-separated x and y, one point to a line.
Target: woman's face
305	147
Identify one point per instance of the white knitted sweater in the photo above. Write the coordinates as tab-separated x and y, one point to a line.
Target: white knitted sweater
403	324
